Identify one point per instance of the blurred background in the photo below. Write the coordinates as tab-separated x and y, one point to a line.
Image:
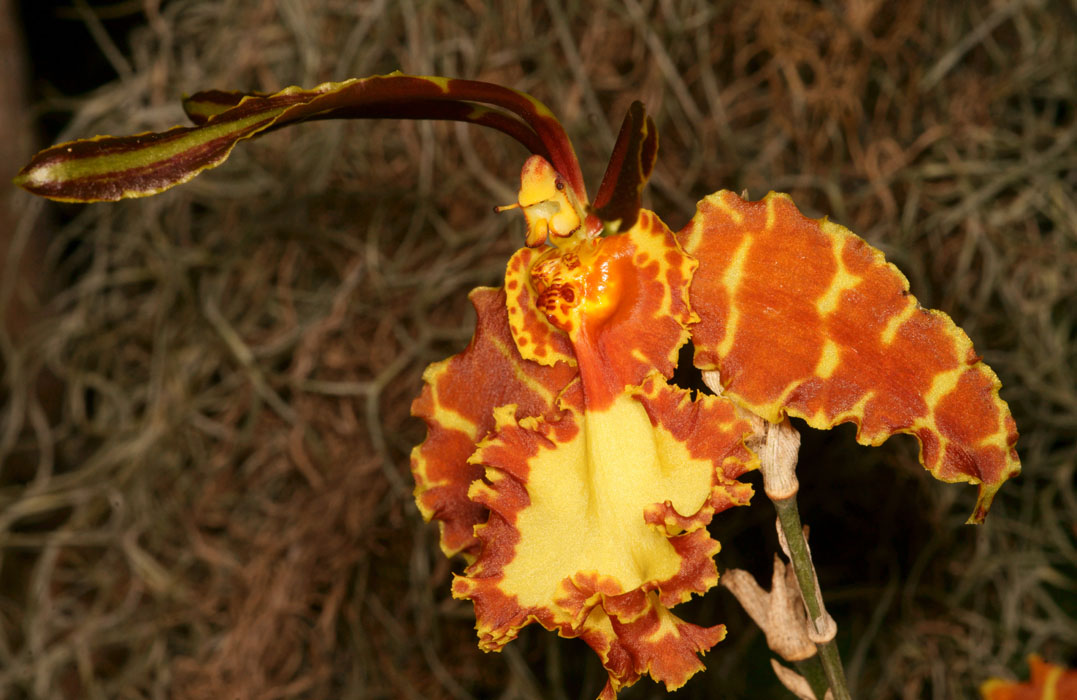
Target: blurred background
204	427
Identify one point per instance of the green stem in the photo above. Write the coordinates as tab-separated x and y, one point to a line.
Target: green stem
789	517
812	670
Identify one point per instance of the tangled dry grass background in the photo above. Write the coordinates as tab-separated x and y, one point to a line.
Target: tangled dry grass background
204	436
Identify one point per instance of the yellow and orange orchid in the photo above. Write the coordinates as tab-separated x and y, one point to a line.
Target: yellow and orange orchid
573	478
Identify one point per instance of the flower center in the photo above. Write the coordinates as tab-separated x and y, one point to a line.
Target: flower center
581	284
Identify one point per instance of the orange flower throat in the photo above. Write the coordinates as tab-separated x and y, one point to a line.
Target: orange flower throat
583	284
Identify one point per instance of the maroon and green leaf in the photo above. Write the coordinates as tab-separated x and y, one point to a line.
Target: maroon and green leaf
107	168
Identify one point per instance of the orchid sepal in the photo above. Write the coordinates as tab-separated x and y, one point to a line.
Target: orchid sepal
108	168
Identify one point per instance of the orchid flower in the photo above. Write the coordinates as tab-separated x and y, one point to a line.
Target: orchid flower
560	462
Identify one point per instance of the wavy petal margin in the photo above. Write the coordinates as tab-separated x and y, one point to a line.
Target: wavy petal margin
598	526
801	316
1048	682
107	168
458	402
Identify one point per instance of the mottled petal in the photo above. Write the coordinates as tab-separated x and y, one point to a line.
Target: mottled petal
803	317
458	402
598	525
656	643
536	338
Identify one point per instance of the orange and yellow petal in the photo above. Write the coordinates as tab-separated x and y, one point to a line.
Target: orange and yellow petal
657	643
597	525
458	402
802	317
536	338
1048	682
619	305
